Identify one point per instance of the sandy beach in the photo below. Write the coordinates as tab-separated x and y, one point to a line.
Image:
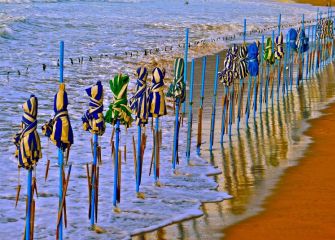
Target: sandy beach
316	2
303	201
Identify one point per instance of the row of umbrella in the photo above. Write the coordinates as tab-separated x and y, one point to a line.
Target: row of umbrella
240	62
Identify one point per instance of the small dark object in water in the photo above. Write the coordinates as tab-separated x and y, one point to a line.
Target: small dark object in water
58	62
18	72
145	52
44	66
90	59
186	2
71	61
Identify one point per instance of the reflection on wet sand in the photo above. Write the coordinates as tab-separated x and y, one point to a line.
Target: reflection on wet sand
253	160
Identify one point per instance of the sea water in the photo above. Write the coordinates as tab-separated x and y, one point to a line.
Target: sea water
30	32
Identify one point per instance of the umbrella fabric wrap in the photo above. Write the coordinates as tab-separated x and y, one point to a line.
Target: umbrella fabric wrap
242	62
231	69
59	128
157	106
279	50
302	41
253	59
177	88
93	119
119	108
269	56
292	35
138	102
27	140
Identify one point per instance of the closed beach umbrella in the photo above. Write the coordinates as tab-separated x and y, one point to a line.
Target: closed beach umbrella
242	62
157	106
177	92
269	56
59	128
139	105
139	100
253	59
119	109
28	153
279	50
292	36
27	139
93	121
118	113
302	41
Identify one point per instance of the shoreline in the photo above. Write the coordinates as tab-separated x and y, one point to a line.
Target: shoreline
304	195
322	3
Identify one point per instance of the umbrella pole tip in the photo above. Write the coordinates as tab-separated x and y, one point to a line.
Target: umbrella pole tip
116	210
140	195
158	184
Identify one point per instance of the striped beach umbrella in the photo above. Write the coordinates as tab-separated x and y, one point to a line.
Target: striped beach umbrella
59	131
59	128
177	92
139	105
118	113
93	122
279	50
28	152
157	108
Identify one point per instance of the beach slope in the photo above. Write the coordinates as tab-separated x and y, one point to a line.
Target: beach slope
303	203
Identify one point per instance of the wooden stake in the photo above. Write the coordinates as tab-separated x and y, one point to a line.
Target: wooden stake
32	219
47	170
18	190
89	189
199	128
63	200
134	154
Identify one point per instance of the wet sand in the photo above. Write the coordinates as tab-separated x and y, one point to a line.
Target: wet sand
316	2
302	206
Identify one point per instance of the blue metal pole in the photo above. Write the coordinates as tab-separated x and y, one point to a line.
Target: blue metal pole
138	156
231	109
316	47
60	152
239	104
185	64
279	61
302	54
267	85
333	45
261	84
244	29
241	80
307	60
214	102
175	143
95	145
190	115
272	66
285	87
255	97
223	116
157	140
29	194
248	102
116	159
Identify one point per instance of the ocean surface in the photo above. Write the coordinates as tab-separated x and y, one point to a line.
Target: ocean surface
111	36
